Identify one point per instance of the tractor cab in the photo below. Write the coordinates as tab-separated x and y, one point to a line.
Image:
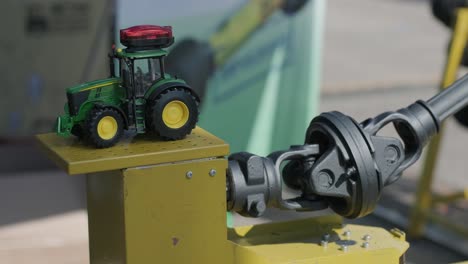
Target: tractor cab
141	63
139	71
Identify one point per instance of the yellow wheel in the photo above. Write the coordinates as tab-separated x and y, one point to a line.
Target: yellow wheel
175	114
103	127
107	127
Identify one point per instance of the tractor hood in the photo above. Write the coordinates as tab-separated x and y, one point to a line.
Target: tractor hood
92	85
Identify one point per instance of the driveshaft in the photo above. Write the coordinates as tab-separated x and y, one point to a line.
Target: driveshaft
343	164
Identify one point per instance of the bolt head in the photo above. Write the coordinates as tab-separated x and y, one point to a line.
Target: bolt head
350	171
324	243
257	208
366	238
325	180
344	248
212	172
365	245
189	174
326	237
347	233
391	154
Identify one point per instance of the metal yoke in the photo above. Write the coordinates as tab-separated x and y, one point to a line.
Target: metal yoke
342	165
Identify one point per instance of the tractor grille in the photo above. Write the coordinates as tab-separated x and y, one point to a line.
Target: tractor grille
75	100
71	105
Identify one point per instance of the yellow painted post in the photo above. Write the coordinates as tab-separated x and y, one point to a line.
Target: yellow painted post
423	202
171	217
151	201
158	214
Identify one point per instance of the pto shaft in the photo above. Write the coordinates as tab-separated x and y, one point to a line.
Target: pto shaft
451	100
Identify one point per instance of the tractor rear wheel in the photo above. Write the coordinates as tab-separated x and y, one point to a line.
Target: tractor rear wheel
104	127
173	114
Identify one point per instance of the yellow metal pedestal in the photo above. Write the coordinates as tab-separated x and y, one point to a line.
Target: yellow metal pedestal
299	242
165	202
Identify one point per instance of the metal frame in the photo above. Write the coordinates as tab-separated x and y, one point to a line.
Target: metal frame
165	202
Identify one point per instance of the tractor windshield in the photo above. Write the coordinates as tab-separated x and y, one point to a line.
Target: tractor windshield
147	71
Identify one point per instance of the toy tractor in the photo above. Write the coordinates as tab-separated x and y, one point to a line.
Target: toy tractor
139	97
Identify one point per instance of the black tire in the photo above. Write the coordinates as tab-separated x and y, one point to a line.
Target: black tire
154	114
462	117
91	127
78	132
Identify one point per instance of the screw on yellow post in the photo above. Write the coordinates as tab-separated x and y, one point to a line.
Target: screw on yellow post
421	210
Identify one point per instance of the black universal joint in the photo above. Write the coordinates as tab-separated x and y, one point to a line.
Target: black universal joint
249	184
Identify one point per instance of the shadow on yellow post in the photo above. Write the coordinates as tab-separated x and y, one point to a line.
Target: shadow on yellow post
421	211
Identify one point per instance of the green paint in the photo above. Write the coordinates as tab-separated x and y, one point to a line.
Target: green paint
92	84
252	108
111	92
316	38
167	79
262	131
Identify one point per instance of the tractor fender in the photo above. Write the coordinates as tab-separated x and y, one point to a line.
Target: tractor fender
118	109
169	85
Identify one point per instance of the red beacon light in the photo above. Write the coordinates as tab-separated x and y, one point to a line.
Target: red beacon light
147	37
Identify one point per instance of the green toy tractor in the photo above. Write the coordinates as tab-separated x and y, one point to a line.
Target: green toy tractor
140	97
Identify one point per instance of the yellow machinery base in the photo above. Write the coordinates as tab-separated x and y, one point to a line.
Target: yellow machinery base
299	242
160	202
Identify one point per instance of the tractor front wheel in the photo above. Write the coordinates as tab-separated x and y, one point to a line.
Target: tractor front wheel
78	131
104	127
173	114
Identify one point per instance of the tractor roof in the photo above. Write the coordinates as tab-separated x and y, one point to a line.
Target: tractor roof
145	41
125	53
